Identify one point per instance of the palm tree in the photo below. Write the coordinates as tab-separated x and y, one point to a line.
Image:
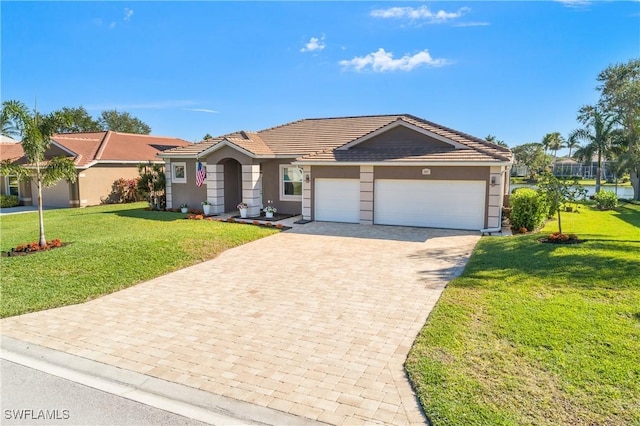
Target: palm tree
601	135
553	141
572	143
36	131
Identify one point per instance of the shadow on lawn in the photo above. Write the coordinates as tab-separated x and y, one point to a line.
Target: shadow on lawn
144	214
630	215
592	265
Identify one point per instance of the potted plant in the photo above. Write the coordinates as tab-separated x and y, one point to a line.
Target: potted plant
184	208
206	208
243	208
269	211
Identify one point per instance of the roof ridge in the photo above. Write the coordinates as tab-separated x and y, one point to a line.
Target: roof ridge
466	135
103	145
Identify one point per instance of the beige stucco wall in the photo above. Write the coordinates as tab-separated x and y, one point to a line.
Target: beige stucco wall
188	193
271	187
95	183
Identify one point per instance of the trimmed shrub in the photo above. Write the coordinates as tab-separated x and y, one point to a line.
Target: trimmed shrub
607	200
528	209
124	191
9	201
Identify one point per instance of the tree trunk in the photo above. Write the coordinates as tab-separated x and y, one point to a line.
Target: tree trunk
635	183
598	172
42	241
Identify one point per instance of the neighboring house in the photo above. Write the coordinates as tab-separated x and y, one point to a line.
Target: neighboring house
100	158
567	167
387	169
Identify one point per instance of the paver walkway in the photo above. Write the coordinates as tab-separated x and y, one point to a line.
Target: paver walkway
316	321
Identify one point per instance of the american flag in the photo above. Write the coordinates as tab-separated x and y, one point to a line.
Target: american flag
201	174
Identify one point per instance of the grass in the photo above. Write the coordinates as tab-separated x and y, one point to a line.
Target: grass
110	248
539	334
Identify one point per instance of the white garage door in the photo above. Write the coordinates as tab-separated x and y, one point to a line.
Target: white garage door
337	200
435	204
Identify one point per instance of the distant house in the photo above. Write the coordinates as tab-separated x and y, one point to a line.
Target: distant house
567	167
100	158
386	169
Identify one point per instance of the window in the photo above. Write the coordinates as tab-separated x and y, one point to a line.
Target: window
290	183
13	185
179	172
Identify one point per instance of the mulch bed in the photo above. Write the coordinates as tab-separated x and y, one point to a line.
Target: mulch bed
557	238
14	253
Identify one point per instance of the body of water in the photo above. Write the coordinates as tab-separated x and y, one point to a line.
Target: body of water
622	191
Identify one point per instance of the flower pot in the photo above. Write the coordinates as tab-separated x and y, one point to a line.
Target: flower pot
268	215
243	213
184	209
206	209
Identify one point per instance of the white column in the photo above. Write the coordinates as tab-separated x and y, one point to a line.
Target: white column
366	195
215	187
251	188
306	192
167	189
494	213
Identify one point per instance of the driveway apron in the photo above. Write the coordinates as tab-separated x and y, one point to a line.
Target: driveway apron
316	321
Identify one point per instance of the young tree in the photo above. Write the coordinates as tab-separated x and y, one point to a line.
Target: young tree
620	95
600	134
36	131
122	122
558	193
77	120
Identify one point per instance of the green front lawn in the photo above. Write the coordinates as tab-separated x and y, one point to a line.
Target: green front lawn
110	248
536	333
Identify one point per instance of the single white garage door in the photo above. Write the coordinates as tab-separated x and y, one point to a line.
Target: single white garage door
337	200
434	204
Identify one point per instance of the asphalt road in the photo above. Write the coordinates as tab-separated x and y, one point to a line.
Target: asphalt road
32	397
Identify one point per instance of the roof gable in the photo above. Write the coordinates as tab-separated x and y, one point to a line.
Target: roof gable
400	133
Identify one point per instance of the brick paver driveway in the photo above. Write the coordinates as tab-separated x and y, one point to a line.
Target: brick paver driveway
316	321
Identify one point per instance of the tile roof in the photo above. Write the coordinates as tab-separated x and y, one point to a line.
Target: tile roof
303	138
10	151
89	147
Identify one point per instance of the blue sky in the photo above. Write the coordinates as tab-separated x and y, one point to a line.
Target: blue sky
516	70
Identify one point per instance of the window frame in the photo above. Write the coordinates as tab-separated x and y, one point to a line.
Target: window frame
175	179
283	196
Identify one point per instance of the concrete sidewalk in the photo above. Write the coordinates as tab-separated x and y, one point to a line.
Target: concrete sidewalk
314	322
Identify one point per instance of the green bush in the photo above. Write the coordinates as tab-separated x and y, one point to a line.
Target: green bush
9	201
528	209
607	200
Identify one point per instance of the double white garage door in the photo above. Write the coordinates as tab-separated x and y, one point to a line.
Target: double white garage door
436	204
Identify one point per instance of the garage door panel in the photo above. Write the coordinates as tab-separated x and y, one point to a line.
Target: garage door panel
337	200
438	204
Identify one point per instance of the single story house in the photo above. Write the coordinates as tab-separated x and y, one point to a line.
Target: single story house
100	158
384	169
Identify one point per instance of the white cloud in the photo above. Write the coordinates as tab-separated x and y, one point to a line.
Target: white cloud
314	44
210	111
574	3
382	61
419	13
472	24
128	13
149	105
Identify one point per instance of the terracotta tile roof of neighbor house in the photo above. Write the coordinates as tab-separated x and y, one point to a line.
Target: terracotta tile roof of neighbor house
113	147
318	139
